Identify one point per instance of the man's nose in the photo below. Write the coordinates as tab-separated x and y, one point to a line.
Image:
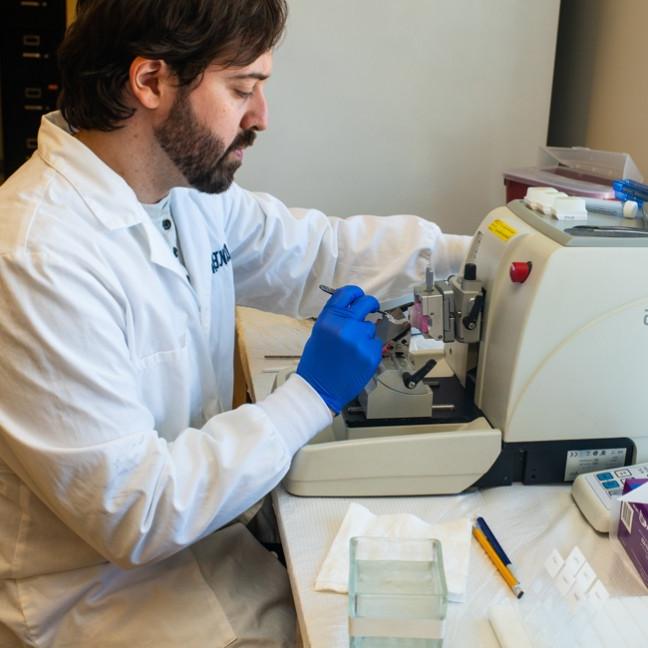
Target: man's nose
256	117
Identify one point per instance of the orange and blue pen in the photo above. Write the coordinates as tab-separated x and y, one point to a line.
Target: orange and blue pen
510	579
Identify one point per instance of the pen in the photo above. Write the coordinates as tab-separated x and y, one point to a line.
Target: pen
510	580
490	536
630	190
385	314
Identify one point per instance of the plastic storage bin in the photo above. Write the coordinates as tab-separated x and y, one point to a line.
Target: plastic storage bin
397	593
577	171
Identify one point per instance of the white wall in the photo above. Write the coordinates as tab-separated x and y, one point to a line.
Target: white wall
405	106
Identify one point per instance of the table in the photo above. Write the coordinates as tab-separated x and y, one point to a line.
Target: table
267	343
530	521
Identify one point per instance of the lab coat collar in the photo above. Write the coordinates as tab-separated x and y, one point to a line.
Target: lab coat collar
107	195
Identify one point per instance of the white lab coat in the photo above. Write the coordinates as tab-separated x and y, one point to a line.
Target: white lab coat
117	449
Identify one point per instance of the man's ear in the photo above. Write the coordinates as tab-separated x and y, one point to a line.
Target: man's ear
151	82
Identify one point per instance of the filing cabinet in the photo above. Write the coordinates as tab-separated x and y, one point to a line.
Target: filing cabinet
30	32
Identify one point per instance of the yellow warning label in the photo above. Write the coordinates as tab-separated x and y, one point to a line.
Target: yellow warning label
502	230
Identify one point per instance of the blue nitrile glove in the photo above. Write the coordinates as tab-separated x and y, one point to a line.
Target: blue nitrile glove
342	353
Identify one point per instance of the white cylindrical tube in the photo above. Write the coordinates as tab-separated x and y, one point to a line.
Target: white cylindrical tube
627	209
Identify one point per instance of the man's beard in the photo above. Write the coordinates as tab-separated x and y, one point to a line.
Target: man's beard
198	154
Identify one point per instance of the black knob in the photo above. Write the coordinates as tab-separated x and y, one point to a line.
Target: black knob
470	320
470	271
411	380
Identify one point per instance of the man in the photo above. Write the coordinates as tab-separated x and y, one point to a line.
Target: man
124	249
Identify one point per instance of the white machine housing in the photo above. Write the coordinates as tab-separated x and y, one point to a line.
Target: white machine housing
560	369
563	355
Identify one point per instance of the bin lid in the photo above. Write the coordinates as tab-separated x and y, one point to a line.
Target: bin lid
599	164
577	170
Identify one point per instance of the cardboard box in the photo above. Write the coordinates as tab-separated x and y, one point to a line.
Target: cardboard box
633	529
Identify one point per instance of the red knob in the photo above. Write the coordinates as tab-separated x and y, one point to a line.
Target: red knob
519	271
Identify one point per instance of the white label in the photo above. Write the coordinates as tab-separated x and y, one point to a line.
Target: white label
564	581
583	461
554	563
584	579
626	516
598	592
574	561
571	568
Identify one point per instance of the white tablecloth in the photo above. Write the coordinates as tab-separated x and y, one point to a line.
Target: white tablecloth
529	521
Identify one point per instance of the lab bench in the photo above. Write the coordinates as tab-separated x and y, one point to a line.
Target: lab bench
530	521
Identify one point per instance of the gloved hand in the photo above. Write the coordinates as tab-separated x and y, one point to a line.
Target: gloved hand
342	353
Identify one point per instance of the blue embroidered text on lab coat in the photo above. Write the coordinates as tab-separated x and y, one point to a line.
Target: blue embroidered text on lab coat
220	258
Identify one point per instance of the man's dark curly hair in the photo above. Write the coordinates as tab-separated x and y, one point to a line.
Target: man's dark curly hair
189	35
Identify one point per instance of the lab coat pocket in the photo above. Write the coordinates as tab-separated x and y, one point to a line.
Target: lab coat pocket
165	357
162	604
250	584
166	379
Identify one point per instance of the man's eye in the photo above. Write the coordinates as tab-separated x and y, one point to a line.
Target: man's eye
243	94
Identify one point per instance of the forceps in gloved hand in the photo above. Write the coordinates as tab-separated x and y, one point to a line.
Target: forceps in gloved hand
385	314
